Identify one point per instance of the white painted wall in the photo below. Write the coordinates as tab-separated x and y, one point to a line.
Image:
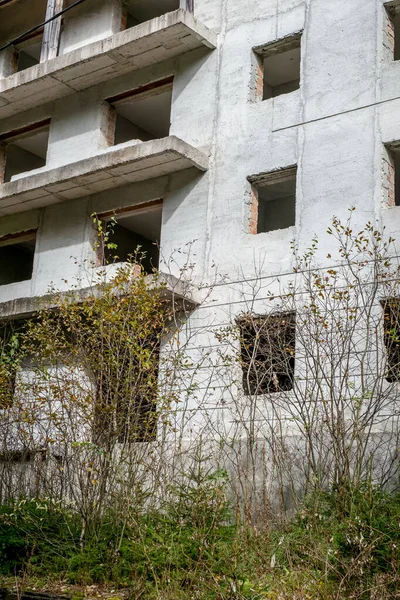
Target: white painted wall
333	128
92	21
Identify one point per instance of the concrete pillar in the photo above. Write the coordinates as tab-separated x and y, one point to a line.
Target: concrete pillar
79	129
8	62
187	5
89	22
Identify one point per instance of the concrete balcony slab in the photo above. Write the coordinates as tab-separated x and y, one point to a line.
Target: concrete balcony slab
151	42
184	296
114	167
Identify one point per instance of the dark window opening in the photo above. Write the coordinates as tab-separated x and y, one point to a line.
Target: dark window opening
393	33
29	52
267	353
15	20
10	332
140	11
25	152
275	197
133	235
126	398
280	65
24	456
16	257
17	456
145	115
393	176
391	314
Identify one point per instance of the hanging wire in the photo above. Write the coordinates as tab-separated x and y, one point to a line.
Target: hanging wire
33	29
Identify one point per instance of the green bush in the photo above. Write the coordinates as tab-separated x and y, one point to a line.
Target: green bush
36	531
191	548
352	540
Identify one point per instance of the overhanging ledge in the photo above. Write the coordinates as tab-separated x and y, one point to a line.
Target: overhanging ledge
151	42
174	290
119	165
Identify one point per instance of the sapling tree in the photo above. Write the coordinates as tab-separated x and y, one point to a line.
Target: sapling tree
316	361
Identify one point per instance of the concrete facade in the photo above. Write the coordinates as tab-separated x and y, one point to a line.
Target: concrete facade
335	128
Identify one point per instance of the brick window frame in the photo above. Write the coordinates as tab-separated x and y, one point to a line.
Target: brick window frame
391	23
260	181
391	338
390	174
269	51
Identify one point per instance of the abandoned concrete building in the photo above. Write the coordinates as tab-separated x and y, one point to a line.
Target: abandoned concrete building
235	126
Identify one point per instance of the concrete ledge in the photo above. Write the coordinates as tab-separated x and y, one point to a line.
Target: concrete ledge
174	290
154	41
117	166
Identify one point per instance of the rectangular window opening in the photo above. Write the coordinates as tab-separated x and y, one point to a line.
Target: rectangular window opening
28	51
391	174
9	334
140	11
273	200
16	257
135	233
267	353
393	28
15	20
25	150
143	114
391	314
17	457
126	398
280	64
24	456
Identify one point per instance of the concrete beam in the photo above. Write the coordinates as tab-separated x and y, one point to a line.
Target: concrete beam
172	289
114	167
157	40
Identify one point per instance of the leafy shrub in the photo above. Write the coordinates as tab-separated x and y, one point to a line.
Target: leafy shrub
191	548
38	531
351	542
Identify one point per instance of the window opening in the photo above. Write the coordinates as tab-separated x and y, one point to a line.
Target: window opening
17	456
139	11
391	175
29	51
131	231
267	353
280	64
393	28
143	114
10	332
126	396
16	257
15	21
273	200
391	313
24	456
25	150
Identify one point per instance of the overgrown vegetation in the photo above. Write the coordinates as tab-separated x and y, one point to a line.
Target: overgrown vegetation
263	466
194	548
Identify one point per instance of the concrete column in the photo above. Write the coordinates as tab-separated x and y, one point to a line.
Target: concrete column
89	22
79	129
8	62
2	161
187	5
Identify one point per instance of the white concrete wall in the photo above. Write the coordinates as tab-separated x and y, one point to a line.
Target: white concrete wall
333	128
92	21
